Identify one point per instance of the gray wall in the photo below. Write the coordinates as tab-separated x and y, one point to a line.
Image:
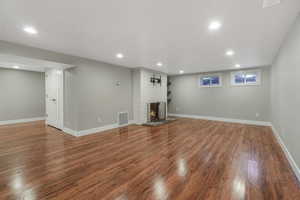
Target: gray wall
22	94
236	102
285	92
90	87
100	96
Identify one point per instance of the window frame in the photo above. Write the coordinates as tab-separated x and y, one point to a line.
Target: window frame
209	86
245	72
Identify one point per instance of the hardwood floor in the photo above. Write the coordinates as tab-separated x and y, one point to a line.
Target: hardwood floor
186	159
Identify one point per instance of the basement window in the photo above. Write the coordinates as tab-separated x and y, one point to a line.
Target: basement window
249	77
213	80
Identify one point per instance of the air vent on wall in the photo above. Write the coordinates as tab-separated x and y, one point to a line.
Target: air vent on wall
269	3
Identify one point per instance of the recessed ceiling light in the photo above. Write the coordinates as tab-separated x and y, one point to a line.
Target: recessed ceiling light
16	67
30	30
119	55
159	64
230	53
214	25
237	65
181	71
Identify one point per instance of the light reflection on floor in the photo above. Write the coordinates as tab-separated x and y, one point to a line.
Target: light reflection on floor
239	188
182	167
160	190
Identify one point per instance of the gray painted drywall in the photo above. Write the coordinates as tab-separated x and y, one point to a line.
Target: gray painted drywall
100	95
236	102
90	87
137	94
70	99
22	94
285	92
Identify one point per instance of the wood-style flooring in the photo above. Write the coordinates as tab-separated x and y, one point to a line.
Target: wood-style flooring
186	159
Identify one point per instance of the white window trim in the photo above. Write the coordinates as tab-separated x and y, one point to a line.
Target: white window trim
209	86
258	82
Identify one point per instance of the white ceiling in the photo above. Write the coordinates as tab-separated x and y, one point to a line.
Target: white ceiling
29	64
147	31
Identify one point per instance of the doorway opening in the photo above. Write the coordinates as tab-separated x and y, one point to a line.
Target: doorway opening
48	101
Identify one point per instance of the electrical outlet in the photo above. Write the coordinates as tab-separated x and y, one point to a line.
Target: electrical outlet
257	114
99	119
177	109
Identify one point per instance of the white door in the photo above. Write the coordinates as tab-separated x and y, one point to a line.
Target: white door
54	98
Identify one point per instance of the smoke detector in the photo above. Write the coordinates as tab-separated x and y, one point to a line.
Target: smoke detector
270	3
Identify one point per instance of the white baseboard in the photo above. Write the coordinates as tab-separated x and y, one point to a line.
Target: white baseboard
287	153
21	120
94	130
70	131
98	129
240	121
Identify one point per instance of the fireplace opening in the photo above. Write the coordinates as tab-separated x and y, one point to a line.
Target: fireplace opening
156	111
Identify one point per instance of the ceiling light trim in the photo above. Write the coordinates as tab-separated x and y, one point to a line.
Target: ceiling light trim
214	25
159	64
230	52
119	55
30	30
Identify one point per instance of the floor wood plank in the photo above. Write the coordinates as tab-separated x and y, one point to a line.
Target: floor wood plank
186	159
